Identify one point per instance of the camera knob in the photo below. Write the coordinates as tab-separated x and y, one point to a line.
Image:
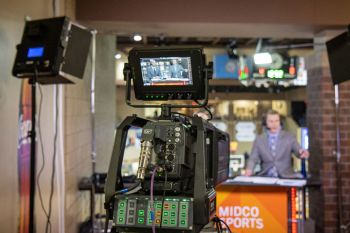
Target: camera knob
170	157
171	146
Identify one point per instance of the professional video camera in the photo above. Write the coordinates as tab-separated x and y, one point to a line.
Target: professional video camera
182	158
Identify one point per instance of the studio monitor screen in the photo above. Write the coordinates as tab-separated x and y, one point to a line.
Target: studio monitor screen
168	73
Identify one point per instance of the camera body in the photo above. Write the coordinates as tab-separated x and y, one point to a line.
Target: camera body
172	152
182	158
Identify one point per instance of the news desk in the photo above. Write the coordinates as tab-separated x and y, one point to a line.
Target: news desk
262	204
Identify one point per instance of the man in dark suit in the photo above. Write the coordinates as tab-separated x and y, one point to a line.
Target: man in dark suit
176	70
153	70
273	149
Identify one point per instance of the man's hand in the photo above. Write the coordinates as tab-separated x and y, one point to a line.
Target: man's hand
248	172
304	154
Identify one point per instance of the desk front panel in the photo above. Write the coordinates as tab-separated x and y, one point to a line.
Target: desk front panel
253	209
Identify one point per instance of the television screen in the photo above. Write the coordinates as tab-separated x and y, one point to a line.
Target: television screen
227	68
281	68
166	71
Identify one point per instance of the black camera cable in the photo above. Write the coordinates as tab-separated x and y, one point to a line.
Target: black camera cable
227	227
218	224
43	160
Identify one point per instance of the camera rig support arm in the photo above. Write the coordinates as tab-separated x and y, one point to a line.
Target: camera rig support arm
114	180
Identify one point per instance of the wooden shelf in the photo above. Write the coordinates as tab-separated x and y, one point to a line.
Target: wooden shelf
224	82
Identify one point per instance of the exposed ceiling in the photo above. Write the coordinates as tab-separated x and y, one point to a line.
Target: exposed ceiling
286	24
124	42
215	19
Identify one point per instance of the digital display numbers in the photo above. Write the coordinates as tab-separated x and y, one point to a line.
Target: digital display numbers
35	52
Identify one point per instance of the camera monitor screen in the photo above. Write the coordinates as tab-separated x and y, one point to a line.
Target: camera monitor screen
168	73
172	71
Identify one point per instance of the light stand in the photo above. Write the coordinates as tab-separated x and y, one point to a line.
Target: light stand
32	134
93	138
52	51
338	49
337	152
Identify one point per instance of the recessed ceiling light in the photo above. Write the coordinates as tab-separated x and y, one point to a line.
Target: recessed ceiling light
137	37
118	56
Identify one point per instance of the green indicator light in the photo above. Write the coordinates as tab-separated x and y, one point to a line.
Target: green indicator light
120	220
183	207
172	214
157	97
173	206
165	221
183	215
172	221
243	75
140	220
121	204
278	74
146	96
183	222
166	213
141	212
159	205
151	96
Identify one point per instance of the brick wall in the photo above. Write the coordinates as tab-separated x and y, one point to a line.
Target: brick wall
322	136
